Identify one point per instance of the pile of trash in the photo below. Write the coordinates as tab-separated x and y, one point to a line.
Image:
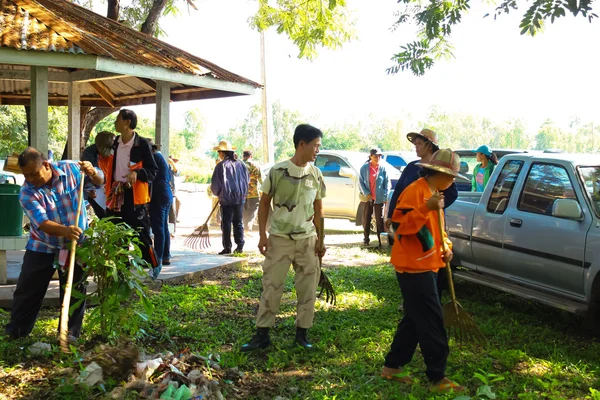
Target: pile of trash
166	376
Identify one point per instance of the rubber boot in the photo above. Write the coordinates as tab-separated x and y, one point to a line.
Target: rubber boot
301	338
260	340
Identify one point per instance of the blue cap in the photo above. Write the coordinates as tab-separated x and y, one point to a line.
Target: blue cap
484	149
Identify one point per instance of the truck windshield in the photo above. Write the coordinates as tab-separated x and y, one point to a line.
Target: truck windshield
591	181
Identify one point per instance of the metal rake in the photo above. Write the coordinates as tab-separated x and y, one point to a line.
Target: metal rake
200	238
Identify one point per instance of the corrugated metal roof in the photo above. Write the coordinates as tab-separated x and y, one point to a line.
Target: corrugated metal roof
62	26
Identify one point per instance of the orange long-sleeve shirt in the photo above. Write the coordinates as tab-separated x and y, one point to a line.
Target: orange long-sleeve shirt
417	245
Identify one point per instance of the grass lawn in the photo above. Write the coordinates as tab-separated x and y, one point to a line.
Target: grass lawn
535	352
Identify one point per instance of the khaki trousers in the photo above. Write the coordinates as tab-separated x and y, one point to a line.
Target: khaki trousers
301	255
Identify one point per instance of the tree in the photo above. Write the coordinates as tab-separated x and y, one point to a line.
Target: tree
285	122
13	130
435	20
142	15
548	136
308	23
346	137
193	129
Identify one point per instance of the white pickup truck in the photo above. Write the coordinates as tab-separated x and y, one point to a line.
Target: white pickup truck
341	172
534	231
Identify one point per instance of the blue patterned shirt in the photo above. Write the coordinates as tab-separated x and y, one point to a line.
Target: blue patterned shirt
57	201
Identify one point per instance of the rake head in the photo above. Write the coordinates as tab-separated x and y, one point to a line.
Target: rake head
461	325
326	286
199	239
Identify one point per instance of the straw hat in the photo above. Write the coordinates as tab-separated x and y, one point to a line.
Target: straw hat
444	161
224	145
426	134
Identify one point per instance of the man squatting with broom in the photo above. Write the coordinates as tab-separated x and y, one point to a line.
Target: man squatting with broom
296	187
417	255
50	199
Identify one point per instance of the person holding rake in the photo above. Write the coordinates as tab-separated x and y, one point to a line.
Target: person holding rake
417	255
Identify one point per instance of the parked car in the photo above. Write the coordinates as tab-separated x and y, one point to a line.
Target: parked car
341	172
534	231
399	160
468	161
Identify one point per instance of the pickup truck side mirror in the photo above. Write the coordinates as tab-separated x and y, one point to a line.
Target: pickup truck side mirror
347	172
567	208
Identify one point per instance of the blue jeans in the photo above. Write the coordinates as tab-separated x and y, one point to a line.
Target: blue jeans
232	215
159	220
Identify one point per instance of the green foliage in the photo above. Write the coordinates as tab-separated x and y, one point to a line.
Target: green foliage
547	137
436	19
348	137
284	122
248	133
13	130
193	129
113	258
145	126
308	23
58	119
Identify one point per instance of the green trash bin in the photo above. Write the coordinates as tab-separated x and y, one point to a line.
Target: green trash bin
11	213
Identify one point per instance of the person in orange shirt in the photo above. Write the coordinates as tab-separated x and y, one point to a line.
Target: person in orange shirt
417	256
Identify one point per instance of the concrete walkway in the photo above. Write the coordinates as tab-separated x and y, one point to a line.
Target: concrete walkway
185	264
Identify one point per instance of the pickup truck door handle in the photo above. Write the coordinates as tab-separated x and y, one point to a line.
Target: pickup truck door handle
516	222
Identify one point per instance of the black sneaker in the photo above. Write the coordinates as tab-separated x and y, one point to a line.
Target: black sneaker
238	250
166	262
260	340
301	338
224	252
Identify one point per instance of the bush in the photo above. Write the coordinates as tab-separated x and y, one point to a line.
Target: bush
112	256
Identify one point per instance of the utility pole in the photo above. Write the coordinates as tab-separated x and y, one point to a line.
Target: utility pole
268	148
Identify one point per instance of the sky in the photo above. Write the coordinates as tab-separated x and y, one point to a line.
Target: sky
496	72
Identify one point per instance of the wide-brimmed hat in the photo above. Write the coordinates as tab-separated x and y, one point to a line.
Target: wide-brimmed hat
445	161
483	149
426	134
224	145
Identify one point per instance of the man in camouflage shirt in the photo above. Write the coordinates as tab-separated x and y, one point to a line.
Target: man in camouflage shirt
296	188
253	197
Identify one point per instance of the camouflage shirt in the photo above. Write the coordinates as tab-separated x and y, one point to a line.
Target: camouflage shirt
255	178
294	190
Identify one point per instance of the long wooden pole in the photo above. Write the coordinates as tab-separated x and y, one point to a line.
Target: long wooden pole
64	314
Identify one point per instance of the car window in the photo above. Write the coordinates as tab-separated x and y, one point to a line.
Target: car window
503	187
591	179
468	163
396	161
544	185
330	165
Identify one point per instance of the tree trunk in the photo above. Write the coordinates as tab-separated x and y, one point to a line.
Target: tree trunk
90	117
28	119
112	11
94	116
149	25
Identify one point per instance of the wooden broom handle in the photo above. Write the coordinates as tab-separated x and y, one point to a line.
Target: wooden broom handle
64	316
448	270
